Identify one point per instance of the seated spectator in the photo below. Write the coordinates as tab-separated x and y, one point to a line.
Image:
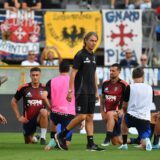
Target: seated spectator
12	5
31	60
48	57
134	4
146	4
113	3
143	60
87	3
32	5
1	62
140	4
128	61
155	61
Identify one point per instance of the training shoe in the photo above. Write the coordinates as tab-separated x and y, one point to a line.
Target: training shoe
123	147
105	143
42	141
157	146
94	147
148	144
61	142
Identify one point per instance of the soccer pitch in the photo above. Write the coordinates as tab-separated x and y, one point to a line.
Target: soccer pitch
12	147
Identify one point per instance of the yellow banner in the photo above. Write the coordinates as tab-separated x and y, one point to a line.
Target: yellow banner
66	30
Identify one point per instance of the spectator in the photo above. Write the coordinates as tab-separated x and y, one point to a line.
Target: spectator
12	5
87	3
155	61
144	60
128	61
30	60
134	4
113	3
32	5
1	62
47	57
146	4
140	4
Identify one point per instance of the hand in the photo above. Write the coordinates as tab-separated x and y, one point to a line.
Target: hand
22	119
2	119
69	97
97	97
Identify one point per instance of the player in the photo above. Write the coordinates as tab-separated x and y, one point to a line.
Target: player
34	112
62	111
138	99
111	105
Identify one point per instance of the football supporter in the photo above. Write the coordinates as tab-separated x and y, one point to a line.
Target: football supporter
62	111
34	112
12	5
83	78
48	57
31	60
111	105
138	99
32	5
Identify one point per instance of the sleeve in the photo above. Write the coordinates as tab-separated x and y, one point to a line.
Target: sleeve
127	94
48	88
153	95
18	94
77	61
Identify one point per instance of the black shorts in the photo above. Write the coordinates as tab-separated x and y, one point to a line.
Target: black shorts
64	120
85	104
30	127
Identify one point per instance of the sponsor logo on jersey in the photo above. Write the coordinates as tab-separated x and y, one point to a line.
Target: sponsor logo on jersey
110	98
87	60
34	102
29	94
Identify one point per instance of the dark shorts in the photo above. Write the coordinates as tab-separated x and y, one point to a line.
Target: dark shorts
117	127
30	127
85	104
63	120
142	126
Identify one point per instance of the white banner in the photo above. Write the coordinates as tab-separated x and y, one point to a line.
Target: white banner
122	30
18	48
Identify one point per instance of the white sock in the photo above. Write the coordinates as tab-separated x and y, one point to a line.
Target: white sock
43	132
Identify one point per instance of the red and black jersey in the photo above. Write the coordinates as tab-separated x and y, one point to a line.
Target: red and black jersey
32	100
113	94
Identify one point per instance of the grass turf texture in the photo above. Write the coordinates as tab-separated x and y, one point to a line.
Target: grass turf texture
12	147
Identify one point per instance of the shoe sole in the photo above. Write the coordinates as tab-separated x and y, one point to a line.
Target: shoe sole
105	145
58	144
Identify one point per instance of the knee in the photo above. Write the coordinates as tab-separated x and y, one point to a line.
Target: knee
89	117
44	112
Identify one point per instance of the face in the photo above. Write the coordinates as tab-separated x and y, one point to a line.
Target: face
114	72
50	55
35	77
128	54
143	60
91	42
31	56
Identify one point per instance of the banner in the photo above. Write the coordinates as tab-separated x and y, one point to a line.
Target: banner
122	30
19	33
66	30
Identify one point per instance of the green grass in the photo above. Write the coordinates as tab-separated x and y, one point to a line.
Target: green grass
12	147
